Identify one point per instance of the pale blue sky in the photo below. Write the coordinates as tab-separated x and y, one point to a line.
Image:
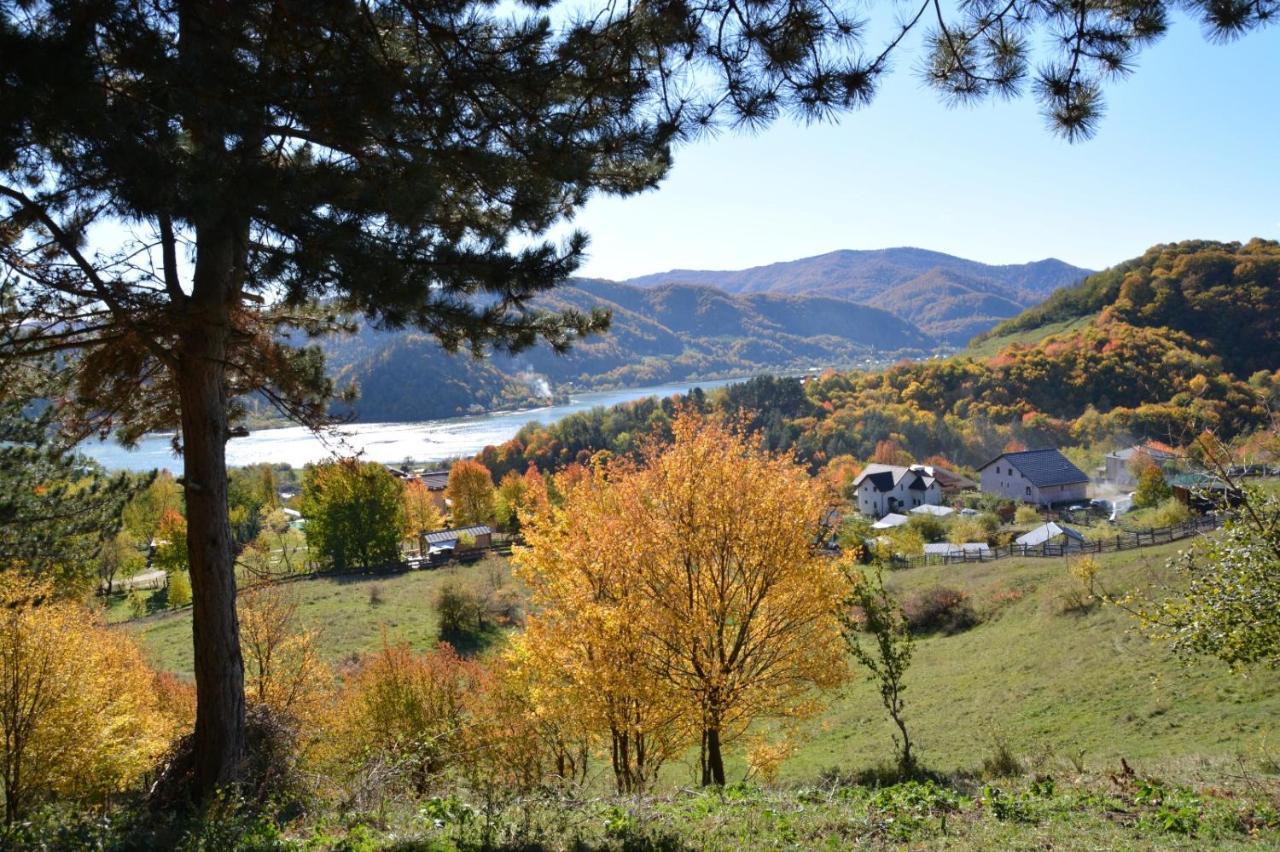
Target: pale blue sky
1189	147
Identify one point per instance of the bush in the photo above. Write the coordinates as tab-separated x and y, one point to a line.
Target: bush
939	610
930	528
461	611
1170	513
1026	515
179	589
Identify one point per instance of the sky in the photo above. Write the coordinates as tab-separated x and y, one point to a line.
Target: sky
1189	148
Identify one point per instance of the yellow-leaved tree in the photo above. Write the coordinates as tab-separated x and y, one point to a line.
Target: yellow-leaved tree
80	711
421	511
687	587
283	667
588	632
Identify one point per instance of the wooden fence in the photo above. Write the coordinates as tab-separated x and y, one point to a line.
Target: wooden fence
1123	540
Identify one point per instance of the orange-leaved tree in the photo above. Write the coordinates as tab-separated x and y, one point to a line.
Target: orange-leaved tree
470	494
696	573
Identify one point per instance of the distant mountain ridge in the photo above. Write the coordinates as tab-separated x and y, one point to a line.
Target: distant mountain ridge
666	333
948	297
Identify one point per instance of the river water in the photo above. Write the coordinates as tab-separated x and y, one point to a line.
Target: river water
423	441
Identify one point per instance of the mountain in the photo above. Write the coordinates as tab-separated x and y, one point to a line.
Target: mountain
663	333
948	297
1225	296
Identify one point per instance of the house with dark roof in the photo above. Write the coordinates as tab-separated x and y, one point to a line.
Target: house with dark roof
884	488
1040	477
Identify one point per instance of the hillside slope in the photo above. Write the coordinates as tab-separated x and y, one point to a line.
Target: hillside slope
948	297
667	333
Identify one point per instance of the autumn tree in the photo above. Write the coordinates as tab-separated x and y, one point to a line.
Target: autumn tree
1152	488
283	667
239	166
588	634
79	713
696	573
470	494
509	499
171	543
354	513
421	511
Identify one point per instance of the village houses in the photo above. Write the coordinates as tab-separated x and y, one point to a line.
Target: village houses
884	488
1040	477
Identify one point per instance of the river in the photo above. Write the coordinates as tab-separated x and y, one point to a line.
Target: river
422	441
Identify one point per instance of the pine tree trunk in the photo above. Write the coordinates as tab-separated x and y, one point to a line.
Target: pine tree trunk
219	669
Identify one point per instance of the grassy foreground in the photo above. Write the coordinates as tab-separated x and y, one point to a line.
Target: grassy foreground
1046	725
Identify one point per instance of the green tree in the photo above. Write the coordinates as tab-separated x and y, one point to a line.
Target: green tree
876	631
509	499
179	589
1152	488
59	511
1228	605
377	157
354	513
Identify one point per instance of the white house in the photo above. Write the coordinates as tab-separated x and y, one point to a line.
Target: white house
884	488
1040	477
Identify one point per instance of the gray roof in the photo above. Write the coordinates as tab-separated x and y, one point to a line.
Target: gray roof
946	548
435	480
1047	532
1042	467
929	509
442	536
893	519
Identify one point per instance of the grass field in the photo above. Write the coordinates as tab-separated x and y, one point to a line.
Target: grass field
352	613
1051	685
991	346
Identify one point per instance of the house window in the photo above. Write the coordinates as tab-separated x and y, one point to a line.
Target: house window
1028	489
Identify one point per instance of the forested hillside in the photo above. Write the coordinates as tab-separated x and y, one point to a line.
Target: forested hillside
1183	339
948	297
668	333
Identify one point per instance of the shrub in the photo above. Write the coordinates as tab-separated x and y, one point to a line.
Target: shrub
79	714
1002	762
375	595
461	611
939	610
930	528
1170	513
179	589
400	719
1026	515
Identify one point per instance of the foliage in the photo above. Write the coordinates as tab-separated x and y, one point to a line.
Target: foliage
1228	605
470	494
877	634
1027	515
179	594
1152	488
421	511
461	612
509	499
283	668
354	513
400	718
59	511
611	571
940	609
171	543
78	708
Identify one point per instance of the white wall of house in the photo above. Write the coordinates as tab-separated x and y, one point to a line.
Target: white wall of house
1003	479
877	504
